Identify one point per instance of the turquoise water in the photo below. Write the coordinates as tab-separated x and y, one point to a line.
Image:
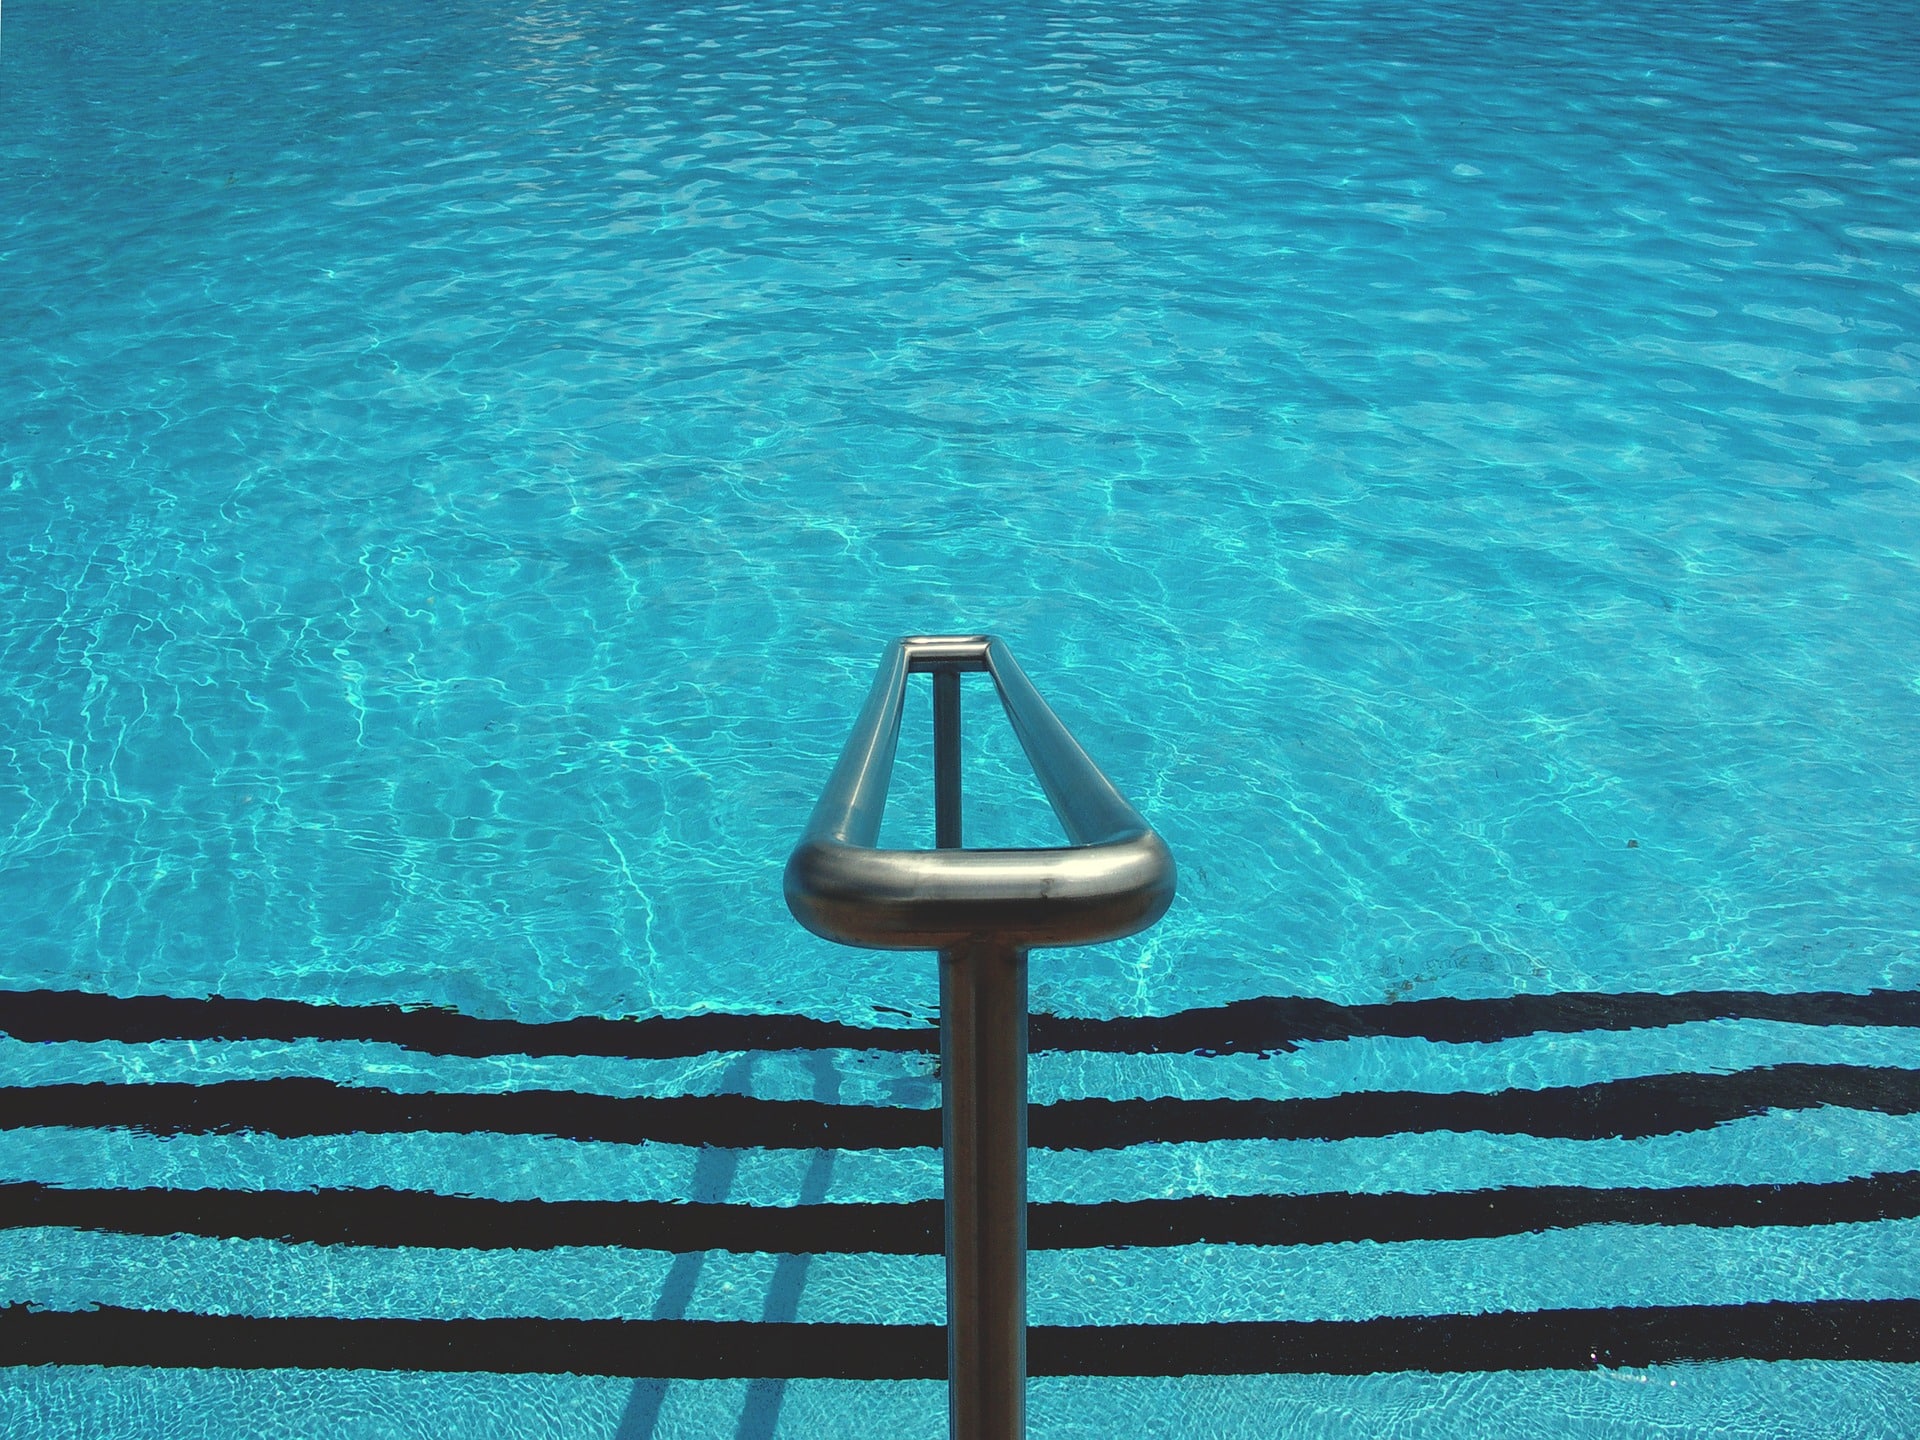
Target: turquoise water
1452	465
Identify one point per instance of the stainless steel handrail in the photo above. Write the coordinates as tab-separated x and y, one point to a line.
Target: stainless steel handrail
983	910
1117	876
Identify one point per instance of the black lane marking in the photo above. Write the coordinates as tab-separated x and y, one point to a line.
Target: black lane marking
1632	1108
1260	1025
419	1219
1879	1330
300	1107
67	1015
1885	1330
1336	1218
1280	1023
675	1349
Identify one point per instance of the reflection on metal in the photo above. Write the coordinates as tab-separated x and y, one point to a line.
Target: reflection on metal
983	910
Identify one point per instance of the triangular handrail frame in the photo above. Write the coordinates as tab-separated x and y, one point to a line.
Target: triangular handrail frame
1117	877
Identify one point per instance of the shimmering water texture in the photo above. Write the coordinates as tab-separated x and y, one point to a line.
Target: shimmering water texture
1452	465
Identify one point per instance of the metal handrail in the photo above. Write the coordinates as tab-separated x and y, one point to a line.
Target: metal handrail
983	910
1116	878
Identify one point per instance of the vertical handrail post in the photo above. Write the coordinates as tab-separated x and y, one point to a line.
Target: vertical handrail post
983	1122
983	1093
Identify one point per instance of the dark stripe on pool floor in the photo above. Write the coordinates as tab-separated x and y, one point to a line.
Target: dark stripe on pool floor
1281	1023
298	1107
1883	1330
418	1219
72	1015
1274	1023
1615	1109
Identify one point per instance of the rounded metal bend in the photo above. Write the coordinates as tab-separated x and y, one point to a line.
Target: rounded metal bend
1115	878
933	899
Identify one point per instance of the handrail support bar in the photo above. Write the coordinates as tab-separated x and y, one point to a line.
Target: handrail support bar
946	759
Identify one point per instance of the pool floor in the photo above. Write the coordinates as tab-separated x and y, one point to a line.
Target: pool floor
1451	464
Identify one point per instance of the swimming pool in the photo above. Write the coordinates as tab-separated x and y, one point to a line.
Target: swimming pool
1453	466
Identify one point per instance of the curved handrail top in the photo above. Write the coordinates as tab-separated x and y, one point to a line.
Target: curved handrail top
1116	876
931	899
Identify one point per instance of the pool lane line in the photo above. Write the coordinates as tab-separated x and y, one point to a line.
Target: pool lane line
1259	1025
73	1015
1636	1337
1275	1024
1632	1108
417	1219
295	1107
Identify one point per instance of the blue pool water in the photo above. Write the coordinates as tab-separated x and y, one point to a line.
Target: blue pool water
1453	465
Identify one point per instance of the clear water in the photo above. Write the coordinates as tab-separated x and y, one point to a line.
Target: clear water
1453	466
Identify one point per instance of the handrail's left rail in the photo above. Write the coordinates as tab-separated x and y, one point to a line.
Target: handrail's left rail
983	910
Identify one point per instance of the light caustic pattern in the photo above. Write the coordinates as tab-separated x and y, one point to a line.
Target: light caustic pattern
1452	466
